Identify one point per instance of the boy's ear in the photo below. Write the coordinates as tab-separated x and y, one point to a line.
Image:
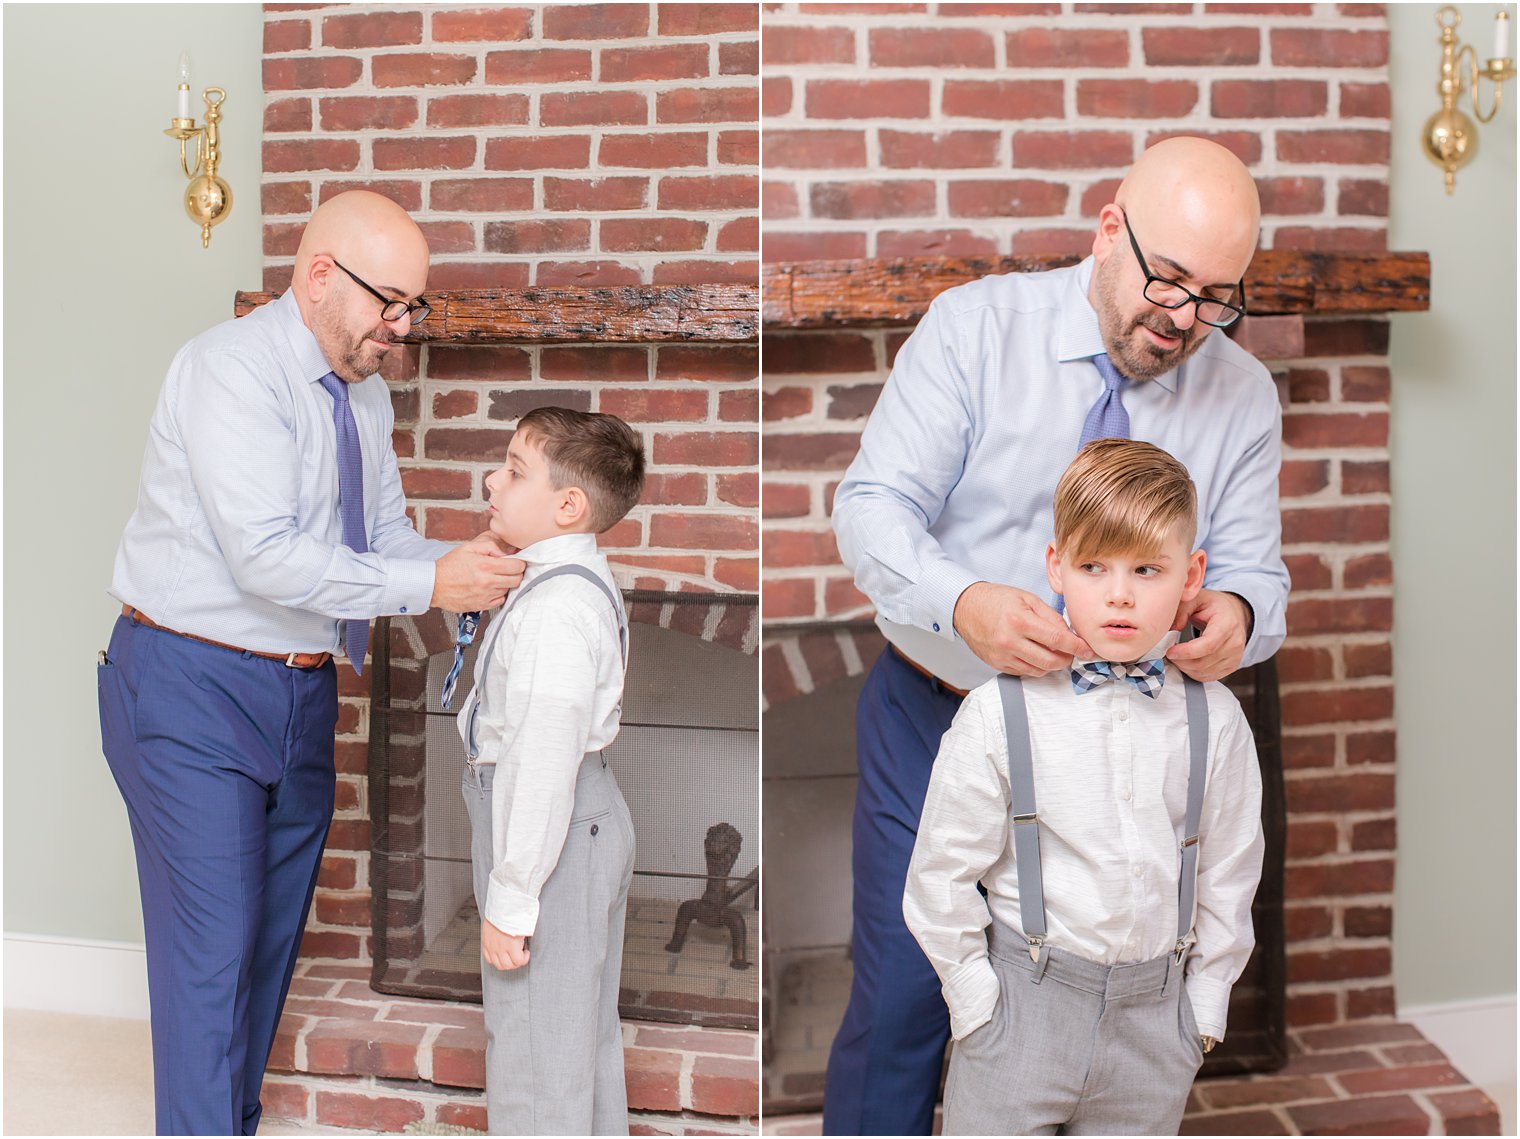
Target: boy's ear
574	508
1053	568
1194	581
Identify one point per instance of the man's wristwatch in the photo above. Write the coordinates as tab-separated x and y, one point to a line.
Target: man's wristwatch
1208	1043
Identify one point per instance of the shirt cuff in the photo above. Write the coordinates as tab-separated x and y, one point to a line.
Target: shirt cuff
510	910
408	587
1211	1004
939	589
972	993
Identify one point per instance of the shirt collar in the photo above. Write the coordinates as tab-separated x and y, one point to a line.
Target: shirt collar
1079	337
312	363
560	548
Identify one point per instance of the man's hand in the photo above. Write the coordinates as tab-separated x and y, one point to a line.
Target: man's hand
1216	651
1014	631
466	580
502	950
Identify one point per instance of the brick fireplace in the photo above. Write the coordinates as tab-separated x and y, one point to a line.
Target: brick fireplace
982	134
595	168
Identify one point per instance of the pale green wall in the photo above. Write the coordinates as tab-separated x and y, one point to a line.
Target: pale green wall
104	278
1453	451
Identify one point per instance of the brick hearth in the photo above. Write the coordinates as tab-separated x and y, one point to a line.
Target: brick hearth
1371	1078
347	1056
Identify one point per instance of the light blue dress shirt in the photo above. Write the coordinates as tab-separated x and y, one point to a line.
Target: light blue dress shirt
978	420
236	535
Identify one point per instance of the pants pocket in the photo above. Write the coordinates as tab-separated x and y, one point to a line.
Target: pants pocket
1188	1023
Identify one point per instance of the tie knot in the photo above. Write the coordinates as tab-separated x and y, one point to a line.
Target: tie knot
1112	377
335	387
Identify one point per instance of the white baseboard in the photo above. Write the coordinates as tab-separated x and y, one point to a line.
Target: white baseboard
68	974
1478	1036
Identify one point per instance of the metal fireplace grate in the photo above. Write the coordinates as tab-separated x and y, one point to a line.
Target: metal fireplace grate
687	760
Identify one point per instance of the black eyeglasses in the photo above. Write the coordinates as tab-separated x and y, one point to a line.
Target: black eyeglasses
1170	295
393	309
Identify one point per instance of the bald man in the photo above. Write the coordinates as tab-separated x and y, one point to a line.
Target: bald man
270	527
945	514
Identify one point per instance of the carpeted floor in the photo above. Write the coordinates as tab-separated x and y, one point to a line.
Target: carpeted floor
85	1075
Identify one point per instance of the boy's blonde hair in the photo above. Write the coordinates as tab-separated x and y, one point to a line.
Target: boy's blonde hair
592	450
1123	496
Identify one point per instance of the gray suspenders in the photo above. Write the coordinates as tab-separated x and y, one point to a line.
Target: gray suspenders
570	568
1026	827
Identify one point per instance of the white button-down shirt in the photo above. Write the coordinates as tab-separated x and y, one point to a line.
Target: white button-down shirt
1111	780
236	535
980	417
549	680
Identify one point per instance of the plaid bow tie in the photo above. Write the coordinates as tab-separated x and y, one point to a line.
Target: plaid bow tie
1146	675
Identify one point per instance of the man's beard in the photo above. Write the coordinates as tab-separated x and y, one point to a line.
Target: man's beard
348	356
1138	358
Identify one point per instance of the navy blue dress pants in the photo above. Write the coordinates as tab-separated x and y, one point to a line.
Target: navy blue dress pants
225	761
884	1067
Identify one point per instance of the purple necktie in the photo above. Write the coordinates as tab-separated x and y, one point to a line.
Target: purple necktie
350	506
1107	419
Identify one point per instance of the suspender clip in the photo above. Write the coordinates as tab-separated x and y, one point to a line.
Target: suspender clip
1181	951
1191	840
1035	944
1029	818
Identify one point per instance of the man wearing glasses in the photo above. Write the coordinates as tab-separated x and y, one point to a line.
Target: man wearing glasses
945	514
270	527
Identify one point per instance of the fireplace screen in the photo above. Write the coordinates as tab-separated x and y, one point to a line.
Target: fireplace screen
686	759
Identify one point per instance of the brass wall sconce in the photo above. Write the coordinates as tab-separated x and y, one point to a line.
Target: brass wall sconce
1449	136
208	198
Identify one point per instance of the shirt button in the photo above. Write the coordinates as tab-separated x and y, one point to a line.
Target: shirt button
1139	872
1127	795
403	609
936	626
1123	713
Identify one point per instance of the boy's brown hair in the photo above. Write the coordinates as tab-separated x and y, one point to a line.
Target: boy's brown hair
1123	496
597	452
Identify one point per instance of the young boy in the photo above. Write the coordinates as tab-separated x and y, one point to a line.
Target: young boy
552	841
1079	1002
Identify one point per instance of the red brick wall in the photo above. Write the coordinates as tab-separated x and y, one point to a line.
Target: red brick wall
916	130
561	144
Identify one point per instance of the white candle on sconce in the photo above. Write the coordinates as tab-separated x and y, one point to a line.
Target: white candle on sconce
184	85
1501	35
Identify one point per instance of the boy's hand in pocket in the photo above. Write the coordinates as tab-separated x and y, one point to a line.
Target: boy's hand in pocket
502	950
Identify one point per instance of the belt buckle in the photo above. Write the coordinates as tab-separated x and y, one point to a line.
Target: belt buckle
290	661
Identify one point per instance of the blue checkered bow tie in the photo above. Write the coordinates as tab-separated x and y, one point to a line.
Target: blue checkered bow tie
1146	675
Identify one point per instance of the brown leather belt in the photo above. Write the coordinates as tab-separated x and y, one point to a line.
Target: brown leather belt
916	667
290	660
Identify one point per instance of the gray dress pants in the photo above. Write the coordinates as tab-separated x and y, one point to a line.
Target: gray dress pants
1075	1048
554	1043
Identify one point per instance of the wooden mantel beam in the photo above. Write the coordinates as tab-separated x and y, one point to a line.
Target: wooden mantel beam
632	314
884	293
